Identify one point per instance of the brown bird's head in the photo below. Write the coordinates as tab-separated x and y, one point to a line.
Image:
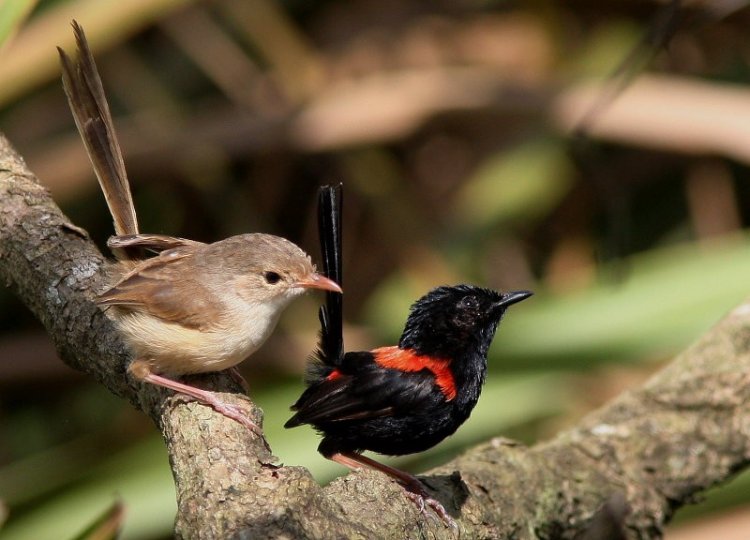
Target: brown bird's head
265	268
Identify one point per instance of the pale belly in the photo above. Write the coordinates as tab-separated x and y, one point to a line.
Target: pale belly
173	349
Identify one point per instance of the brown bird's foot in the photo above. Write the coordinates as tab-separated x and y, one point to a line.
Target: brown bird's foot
413	488
227	409
142	371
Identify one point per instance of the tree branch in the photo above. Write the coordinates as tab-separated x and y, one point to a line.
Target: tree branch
626	467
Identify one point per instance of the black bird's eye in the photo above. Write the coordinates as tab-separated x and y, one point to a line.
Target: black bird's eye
272	277
468	303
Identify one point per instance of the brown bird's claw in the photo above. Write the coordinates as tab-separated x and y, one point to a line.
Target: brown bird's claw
142	371
237	414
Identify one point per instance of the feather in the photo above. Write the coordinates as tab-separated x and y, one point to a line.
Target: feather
87	100
331	341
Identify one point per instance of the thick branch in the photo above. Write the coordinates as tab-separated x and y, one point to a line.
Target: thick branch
629	464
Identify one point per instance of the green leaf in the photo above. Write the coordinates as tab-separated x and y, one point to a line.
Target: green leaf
141	478
517	185
3	513
107	526
669	298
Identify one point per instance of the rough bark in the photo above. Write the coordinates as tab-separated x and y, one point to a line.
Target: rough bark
624	469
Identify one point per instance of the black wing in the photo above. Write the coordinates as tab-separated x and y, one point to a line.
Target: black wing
360	390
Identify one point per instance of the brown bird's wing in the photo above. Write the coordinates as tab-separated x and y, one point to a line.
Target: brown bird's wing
163	288
150	242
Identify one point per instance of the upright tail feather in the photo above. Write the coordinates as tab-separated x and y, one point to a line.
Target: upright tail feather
88	103
331	343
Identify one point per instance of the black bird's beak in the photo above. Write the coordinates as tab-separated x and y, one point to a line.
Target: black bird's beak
512	298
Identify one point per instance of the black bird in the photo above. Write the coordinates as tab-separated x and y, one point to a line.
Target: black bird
401	399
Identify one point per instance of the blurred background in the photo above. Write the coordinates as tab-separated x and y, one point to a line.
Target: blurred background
594	152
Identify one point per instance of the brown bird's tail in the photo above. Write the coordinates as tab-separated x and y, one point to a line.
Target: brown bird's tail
88	103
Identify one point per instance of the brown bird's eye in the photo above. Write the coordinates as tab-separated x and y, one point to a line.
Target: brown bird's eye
272	277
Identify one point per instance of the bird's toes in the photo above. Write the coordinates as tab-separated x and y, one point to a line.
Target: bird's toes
422	500
239	415
440	511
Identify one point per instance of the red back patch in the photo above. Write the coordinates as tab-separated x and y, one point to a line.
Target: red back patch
407	360
333	375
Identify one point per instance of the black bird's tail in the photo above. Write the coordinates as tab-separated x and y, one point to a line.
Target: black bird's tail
331	342
87	100
330	350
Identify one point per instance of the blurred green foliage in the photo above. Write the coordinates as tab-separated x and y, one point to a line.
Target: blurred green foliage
633	251
12	14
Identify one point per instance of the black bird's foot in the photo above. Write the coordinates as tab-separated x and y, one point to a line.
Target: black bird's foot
413	487
421	499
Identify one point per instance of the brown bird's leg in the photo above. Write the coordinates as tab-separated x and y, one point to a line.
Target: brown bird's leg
238	378
412	486
142	371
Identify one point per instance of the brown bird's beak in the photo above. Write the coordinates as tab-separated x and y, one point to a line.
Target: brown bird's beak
316	281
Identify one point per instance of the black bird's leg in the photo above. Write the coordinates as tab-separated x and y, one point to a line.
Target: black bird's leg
414	488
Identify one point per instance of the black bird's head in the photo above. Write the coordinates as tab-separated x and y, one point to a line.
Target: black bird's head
450	321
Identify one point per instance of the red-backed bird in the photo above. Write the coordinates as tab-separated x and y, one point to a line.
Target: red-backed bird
400	399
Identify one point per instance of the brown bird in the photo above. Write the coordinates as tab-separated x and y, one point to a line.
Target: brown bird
193	307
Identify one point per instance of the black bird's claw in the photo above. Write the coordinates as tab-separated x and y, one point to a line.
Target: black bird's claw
420	497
